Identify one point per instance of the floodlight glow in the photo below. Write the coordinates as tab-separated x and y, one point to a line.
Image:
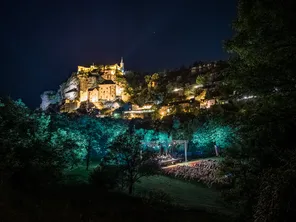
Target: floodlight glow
139	111
198	86
176	90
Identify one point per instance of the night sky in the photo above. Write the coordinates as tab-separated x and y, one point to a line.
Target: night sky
44	41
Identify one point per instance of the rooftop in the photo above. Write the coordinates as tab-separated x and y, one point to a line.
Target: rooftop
105	82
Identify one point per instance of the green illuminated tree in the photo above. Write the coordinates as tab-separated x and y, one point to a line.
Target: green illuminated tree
71	143
214	134
148	80
92	130
27	159
200	80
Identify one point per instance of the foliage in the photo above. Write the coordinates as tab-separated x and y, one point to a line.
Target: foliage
276	197
263	54
153	136
28	161
214	132
156	196
134	162
105	177
72	143
200	80
263	47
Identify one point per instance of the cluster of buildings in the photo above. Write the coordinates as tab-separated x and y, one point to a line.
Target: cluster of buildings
90	86
100	87
203	68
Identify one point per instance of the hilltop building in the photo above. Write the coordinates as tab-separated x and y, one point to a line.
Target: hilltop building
94	84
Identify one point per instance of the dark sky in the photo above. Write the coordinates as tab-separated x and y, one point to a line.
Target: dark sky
44	41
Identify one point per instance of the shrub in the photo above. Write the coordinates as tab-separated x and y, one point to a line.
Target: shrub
106	177
154	196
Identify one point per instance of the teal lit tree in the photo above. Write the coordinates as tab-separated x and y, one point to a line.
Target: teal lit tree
27	159
92	130
214	134
71	143
156	137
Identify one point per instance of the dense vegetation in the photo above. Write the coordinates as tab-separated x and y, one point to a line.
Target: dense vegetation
255	136
263	65
38	151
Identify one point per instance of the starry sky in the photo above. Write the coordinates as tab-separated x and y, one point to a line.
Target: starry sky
44	41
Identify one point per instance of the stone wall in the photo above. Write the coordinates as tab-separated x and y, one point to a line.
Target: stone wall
107	92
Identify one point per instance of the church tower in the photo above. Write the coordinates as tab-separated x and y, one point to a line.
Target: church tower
122	65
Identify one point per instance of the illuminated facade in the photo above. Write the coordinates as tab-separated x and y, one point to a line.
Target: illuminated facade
206	104
94	95
107	90
108	72
101	77
94	84
97	76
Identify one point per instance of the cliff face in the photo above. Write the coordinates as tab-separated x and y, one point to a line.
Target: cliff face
70	89
50	98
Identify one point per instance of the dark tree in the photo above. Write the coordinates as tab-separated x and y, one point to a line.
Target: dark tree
263	65
134	163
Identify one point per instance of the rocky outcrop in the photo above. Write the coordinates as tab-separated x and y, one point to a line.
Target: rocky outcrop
49	98
70	89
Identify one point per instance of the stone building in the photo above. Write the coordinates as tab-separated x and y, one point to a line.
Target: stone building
107	90
93	95
102	77
90	84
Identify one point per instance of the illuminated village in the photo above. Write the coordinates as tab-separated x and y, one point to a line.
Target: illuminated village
111	91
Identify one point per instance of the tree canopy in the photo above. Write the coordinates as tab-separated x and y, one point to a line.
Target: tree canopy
263	66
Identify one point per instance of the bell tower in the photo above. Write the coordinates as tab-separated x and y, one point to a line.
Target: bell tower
122	65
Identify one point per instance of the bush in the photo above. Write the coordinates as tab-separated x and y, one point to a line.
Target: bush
33	178
31	168
106	177
154	196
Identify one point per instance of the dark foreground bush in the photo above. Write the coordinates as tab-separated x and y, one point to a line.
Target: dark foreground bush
79	203
154	196
106	178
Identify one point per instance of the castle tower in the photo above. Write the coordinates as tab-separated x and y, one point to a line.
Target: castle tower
122	65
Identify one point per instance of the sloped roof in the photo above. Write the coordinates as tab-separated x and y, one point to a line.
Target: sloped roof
92	89
105	82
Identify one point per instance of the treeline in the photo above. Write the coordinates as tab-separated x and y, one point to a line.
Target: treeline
33	140
37	151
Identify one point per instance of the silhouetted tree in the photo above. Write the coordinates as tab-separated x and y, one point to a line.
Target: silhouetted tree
263	65
134	162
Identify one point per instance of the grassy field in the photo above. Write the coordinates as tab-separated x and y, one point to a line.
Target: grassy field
81	203
191	195
185	193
